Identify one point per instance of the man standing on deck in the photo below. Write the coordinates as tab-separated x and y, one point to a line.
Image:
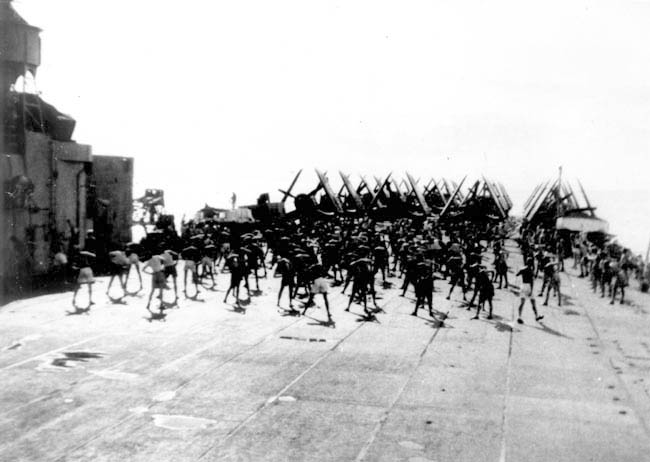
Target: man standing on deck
620	282
454	268
527	277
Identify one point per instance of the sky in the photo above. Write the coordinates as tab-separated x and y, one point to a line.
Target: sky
214	97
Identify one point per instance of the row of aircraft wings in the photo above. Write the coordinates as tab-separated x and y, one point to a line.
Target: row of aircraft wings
391	198
553	199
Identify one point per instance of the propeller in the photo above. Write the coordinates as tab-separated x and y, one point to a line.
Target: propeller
288	192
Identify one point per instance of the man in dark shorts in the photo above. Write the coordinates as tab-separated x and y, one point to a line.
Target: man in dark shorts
606	276
620	282
456	274
410	270
285	268
346	263
553	282
237	269
527	277
547	271
362	282
485	290
424	287
597	271
501	267
380	260
169	259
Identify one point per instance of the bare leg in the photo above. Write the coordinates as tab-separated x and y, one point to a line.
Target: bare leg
110	283
348	278
364	294
175	289
451	289
418	300
548	292
236	292
310	301
150	297
327	307
537	316
478	309
137	270
280	293
160	299
248	289
354	292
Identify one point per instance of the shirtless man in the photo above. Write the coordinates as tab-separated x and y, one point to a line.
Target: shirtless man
424	287
318	286
192	258
155	267
553	282
620	282
119	264
527	277
285	268
133	252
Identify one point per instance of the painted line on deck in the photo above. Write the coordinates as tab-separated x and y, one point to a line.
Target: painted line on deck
504	419
277	395
57	350
130	416
273	398
60	392
375	432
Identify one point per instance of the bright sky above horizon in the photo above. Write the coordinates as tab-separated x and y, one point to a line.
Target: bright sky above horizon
215	97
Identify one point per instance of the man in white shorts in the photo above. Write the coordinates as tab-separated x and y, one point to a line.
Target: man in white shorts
527	277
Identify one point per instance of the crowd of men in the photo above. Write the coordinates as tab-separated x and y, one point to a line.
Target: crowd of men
313	258
608	265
